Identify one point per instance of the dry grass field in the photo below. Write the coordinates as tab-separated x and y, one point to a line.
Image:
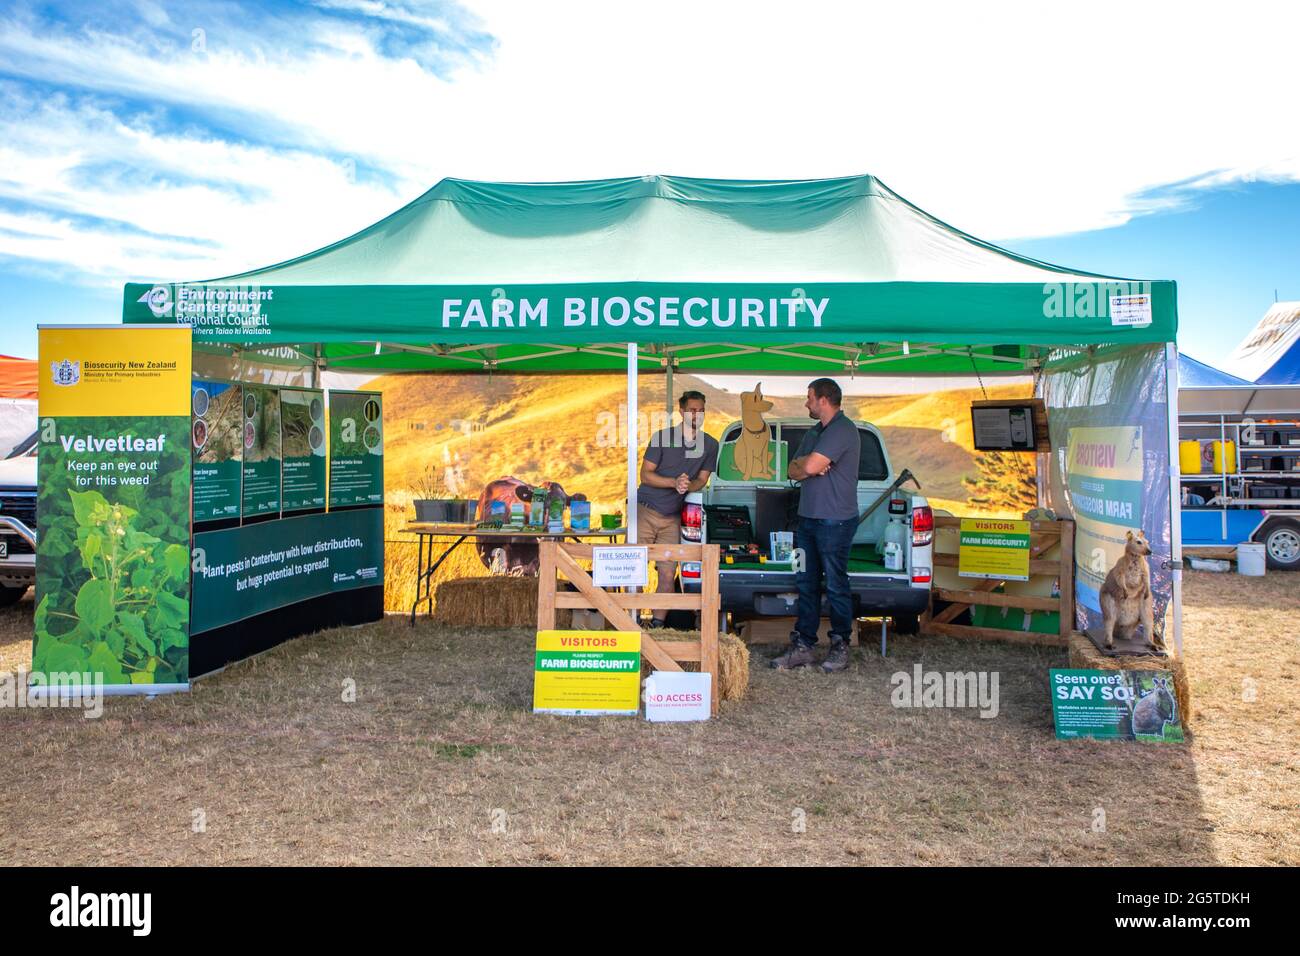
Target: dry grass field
438	760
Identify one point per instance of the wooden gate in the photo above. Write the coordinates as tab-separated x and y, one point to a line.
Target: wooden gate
563	557
1042	536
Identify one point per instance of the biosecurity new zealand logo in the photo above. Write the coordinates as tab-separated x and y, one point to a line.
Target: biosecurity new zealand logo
159	300
65	372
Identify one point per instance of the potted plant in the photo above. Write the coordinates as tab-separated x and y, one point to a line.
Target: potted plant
429	496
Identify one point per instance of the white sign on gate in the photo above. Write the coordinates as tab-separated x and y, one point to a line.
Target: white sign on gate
620	567
673	696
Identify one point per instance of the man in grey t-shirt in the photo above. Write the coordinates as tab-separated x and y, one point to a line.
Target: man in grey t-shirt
677	461
826	467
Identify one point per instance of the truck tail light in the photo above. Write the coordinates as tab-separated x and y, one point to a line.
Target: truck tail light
922	526
692	516
920	575
690	569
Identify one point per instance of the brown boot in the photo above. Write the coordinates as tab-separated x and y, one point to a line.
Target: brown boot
797	654
838	658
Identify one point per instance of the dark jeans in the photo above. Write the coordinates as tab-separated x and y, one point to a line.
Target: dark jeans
825	543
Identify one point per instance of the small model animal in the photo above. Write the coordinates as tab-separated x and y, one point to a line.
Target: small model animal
1126	595
1155	709
753	453
518	555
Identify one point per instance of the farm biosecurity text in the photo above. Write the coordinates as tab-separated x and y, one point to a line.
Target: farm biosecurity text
644	310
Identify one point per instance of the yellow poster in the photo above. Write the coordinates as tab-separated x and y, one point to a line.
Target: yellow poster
587	673
109	370
994	548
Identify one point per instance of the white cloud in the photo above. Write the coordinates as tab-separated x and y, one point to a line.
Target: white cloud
1032	120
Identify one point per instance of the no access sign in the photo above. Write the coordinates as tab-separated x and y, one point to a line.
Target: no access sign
624	567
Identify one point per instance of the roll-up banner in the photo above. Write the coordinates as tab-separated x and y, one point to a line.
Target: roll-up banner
113	506
1108	416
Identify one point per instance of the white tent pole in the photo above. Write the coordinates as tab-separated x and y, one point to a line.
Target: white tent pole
633	442
1175	496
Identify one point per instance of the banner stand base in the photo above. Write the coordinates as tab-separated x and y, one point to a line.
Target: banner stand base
43	692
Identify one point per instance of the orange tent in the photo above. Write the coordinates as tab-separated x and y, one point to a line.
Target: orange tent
17	377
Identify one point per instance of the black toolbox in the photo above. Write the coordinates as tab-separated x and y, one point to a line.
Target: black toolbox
728	524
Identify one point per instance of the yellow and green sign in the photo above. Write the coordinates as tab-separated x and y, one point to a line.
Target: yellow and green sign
587	673
113	506
994	548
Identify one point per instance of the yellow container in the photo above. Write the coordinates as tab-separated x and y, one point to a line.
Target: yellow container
1225	452
1189	457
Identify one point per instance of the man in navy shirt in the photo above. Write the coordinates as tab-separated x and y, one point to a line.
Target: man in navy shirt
826	467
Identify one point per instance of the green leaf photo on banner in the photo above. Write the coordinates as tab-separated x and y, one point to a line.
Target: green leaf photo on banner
216	431
261	438
302	444
113	570
356	449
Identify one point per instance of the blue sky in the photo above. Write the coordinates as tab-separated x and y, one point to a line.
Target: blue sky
146	140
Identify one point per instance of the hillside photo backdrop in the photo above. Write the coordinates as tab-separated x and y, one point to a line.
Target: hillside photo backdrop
572	429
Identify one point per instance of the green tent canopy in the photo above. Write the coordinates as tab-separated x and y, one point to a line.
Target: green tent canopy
833	276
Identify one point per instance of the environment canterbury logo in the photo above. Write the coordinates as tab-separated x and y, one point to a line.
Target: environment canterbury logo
159	300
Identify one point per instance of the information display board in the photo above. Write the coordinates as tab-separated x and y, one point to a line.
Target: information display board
216	432
356	452
302	446
261	443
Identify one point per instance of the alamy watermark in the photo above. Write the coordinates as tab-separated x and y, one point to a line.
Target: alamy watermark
45	690
923	688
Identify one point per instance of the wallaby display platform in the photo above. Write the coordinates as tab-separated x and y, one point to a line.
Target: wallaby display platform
1124	646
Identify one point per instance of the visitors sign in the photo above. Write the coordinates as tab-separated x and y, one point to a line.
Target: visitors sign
994	548
587	673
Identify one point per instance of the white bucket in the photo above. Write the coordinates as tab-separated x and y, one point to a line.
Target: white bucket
1250	559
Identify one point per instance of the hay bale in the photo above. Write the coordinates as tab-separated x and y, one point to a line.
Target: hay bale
1085	656
733	661
491	601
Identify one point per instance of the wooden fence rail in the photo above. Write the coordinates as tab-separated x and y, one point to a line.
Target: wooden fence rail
561	557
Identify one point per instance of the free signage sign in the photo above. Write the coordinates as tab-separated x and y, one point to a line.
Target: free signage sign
621	567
